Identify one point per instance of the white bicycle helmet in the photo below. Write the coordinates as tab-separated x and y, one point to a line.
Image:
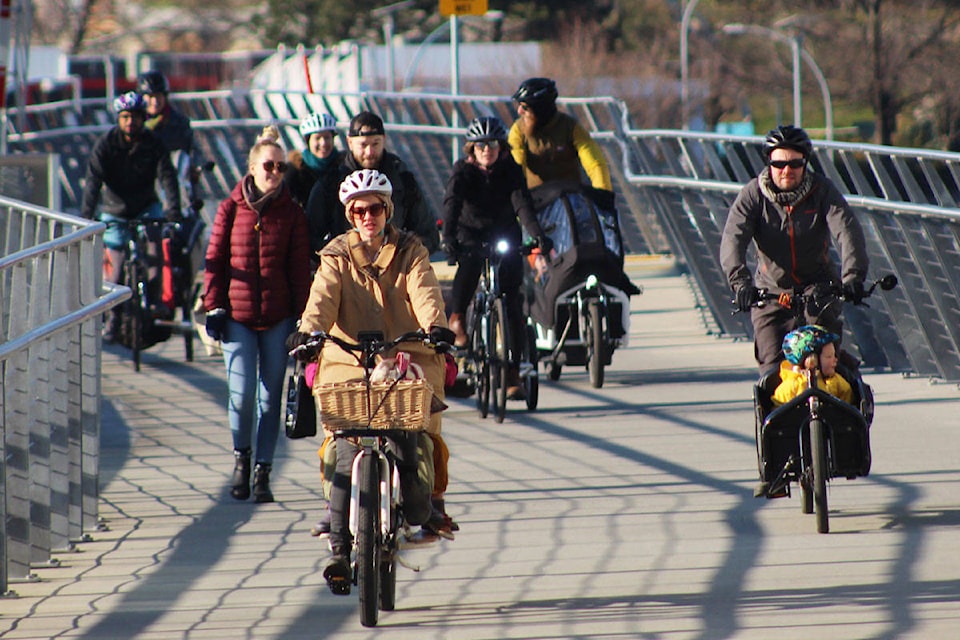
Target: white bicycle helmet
316	123
363	182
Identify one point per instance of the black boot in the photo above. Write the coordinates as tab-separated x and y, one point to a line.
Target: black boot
241	474
261	483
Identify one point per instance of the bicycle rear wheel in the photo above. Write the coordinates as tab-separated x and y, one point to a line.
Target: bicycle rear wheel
368	538
499	350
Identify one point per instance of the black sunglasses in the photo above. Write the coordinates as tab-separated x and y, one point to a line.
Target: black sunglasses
270	165
483	144
796	163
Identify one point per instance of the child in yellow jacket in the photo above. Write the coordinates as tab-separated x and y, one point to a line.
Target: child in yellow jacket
809	347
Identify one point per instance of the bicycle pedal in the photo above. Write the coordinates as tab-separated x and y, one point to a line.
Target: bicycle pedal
339	586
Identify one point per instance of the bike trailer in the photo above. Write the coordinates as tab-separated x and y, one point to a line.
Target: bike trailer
586	241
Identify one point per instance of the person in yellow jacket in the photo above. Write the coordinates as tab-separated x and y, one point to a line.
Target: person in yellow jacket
810	347
550	145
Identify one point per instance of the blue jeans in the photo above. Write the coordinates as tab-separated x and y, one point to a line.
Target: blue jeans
256	365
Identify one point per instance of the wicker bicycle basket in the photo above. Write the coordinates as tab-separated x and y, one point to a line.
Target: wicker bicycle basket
401	405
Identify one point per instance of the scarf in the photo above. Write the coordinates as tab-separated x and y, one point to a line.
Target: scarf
319	165
773	193
157	121
254	198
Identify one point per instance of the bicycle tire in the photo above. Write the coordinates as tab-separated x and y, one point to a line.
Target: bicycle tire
499	351
188	333
388	580
818	445
596	345
368	537
482	364
531	383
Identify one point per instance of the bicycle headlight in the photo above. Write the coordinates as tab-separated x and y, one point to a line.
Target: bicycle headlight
592	282
502	247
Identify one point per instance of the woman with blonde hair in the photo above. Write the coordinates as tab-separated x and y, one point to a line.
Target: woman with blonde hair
256	284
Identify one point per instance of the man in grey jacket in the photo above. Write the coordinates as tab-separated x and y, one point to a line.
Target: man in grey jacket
791	215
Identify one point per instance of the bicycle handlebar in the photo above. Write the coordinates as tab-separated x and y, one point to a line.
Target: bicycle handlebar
798	301
369	346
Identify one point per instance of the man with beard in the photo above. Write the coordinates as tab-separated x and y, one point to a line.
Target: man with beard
124	164
791	214
366	140
552	146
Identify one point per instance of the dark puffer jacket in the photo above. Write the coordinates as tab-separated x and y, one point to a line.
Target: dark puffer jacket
126	173
258	266
479	205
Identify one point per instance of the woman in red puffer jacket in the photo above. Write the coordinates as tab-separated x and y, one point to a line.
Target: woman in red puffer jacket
256	285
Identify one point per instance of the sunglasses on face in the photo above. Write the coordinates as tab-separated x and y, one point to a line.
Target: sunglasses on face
375	209
483	144
796	163
270	165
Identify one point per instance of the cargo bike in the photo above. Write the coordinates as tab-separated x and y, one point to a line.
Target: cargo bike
578	297
815	437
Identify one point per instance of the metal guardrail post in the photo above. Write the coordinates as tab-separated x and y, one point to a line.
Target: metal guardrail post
50	391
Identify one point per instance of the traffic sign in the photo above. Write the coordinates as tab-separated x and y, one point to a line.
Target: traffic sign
463	7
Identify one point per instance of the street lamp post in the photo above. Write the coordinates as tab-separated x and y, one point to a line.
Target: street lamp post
387	14
798	52
685	62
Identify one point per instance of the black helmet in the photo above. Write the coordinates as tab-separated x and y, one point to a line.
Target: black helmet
536	92
788	137
486	128
152	82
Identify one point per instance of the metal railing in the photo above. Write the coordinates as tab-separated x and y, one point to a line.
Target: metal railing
908	201
674	190
52	287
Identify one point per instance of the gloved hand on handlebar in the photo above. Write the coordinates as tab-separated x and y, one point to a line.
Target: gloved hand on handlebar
300	339
216	323
747	296
854	291
442	334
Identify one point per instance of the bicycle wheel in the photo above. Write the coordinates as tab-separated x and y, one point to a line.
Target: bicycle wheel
499	351
818	445
133	310
368	538
531	381
388	580
596	345
478	350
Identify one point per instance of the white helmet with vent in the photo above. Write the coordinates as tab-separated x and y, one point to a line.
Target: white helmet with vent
317	123
363	182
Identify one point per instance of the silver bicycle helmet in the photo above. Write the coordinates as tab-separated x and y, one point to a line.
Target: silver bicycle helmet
486	128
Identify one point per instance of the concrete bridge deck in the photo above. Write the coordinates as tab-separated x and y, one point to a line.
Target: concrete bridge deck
624	512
